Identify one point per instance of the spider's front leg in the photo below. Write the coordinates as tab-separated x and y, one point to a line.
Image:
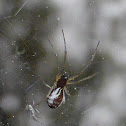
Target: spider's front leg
81	80
89	63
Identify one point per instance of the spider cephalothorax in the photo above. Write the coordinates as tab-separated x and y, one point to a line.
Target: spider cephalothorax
62	81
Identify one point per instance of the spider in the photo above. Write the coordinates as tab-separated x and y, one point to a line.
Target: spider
56	94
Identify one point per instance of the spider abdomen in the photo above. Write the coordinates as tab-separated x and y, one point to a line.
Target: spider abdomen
55	98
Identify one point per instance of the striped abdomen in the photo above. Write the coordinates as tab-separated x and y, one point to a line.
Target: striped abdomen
55	98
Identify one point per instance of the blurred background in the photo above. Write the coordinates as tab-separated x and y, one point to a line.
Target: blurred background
26	58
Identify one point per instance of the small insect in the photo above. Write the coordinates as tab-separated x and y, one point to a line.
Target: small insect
56	94
33	111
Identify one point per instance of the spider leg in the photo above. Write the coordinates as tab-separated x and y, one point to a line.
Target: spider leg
66	91
46	84
92	58
38	79
63	97
83	79
65	52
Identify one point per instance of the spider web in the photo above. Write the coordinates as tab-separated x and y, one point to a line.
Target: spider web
27	58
